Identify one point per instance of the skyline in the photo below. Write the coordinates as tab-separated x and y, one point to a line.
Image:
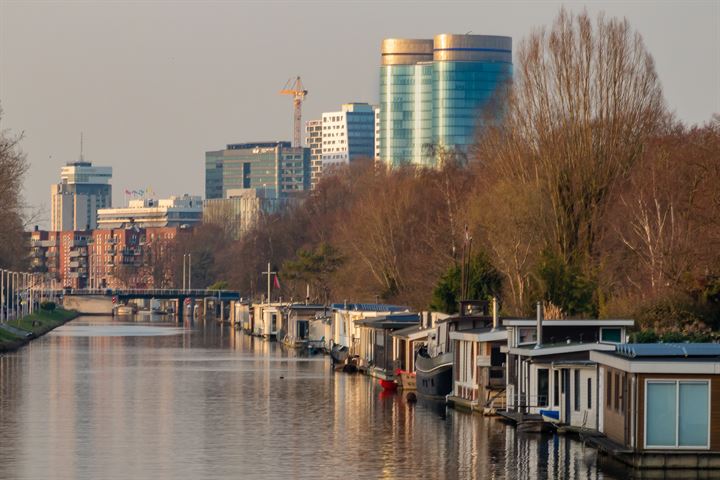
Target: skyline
175	93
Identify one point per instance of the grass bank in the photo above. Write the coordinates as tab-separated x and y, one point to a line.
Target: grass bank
17	333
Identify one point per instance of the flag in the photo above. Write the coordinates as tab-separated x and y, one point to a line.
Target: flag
276	282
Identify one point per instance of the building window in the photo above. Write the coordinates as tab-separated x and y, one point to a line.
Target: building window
616	397
589	393
527	335
543	385
556	388
677	414
611	335
608	388
577	389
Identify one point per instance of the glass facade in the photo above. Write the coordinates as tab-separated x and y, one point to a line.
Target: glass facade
274	168
433	93
461	91
406	102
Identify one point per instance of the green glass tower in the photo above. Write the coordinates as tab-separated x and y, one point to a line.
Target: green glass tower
433	93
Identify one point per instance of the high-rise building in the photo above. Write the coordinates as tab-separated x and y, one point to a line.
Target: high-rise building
433	93
276	168
313	140
175	211
344	136
83	189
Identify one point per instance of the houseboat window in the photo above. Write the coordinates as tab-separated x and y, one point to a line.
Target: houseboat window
589	393
527	335
379	339
608	389
611	335
677	414
616	400
543	385
577	390
556	388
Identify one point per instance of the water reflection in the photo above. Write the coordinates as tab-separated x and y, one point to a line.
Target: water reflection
205	401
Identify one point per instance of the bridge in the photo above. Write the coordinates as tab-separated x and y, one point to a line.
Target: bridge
102	301
124	294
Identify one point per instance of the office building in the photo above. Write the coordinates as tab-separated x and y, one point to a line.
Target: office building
313	140
82	191
276	168
345	135
150	212
241	210
434	93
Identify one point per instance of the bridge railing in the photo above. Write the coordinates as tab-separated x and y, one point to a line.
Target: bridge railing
165	292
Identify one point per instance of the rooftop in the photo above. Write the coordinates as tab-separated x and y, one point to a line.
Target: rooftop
684	350
390	322
369	307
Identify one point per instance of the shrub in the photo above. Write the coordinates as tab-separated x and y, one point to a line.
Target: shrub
47	306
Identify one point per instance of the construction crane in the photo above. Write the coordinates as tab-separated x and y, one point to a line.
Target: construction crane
296	89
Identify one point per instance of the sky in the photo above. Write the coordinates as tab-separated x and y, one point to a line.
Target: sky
154	84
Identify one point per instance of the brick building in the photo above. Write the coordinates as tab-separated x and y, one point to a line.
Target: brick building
126	257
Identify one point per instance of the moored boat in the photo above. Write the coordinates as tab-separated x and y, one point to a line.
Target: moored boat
339	355
434	374
388	385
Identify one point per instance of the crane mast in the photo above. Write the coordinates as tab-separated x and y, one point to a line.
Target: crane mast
298	92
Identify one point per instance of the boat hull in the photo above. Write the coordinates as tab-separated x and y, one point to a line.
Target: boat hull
434	375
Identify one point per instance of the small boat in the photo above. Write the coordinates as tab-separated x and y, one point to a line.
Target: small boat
552	416
434	374
408	380
124	310
388	385
339	355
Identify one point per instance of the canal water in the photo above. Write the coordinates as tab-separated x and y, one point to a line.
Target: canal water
102	398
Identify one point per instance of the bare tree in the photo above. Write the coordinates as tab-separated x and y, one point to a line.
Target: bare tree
585	99
13	166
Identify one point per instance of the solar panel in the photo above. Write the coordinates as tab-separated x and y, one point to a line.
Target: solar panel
635	350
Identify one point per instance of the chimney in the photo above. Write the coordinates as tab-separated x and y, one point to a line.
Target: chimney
538	344
496	319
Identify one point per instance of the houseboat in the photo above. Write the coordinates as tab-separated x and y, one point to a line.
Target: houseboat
660	405
304	325
377	356
434	365
479	372
548	367
267	319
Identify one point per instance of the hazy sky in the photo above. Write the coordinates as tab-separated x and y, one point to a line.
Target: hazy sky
154	84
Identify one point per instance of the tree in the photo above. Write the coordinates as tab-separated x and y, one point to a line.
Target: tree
484	282
314	268
13	166
584	102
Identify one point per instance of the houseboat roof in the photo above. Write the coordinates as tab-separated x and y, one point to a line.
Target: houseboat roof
570	322
303	306
533	350
685	350
369	307
390	322
663	358
412	332
487	334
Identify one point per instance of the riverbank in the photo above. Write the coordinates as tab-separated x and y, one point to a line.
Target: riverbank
15	334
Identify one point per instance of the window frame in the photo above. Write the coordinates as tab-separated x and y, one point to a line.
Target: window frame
677	382
602	329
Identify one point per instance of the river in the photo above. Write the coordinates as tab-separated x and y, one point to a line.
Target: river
101	398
